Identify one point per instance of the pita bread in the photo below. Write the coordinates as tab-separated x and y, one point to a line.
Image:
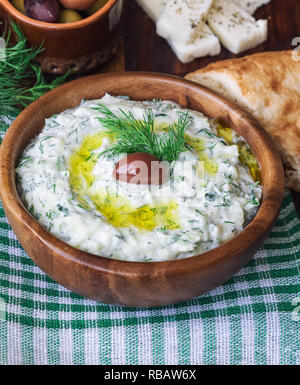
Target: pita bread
267	85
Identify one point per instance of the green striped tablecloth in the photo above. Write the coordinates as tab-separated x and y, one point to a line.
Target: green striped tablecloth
252	319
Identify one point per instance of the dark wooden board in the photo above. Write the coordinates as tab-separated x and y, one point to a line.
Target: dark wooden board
146	51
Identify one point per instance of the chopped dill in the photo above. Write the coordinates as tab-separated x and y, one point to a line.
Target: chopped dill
135	135
21	80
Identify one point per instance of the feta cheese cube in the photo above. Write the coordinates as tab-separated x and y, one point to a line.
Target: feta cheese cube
236	29
182	23
181	20
205	44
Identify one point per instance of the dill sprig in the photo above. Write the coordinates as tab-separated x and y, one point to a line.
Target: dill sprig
21	78
138	135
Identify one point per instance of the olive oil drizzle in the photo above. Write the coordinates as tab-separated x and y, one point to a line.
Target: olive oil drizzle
246	156
116	209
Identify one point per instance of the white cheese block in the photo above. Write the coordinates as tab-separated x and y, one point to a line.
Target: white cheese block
181	20
236	29
153	8
182	23
205	44
251	5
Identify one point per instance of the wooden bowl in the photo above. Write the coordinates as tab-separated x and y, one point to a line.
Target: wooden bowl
138	283
79	46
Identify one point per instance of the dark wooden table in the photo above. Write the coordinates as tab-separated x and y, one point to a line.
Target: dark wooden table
144	50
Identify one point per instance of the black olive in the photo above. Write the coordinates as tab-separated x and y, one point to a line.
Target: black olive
43	10
141	168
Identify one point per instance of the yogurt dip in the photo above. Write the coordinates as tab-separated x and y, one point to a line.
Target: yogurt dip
65	179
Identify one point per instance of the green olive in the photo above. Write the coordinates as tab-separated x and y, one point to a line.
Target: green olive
69	16
95	7
19	5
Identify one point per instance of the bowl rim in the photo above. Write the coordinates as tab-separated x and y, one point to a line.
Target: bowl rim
61	26
255	231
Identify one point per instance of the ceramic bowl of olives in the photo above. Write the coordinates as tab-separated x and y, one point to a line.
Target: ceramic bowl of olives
77	35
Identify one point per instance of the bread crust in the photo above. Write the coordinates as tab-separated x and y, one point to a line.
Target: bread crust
267	85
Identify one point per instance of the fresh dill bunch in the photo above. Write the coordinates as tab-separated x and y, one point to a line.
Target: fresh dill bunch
138	135
21	78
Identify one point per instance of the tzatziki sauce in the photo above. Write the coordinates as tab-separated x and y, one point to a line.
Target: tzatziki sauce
65	180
